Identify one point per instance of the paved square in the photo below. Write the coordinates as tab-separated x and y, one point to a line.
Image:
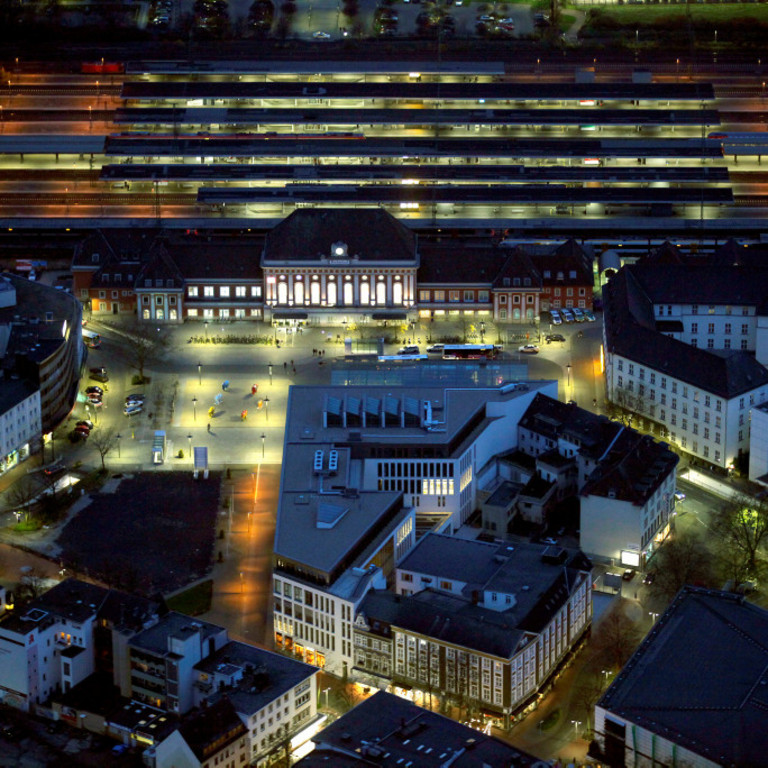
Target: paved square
153	533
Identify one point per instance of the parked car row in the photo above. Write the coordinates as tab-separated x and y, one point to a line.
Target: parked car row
134	404
571	315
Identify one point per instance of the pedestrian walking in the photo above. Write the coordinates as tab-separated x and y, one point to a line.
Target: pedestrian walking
209	426
285	366
254	389
294	370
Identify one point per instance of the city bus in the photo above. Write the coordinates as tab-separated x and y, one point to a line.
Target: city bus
91	339
469	352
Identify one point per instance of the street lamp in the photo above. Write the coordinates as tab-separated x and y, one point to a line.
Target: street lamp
576	724
117	437
266	407
270	374
568	367
200	373
189	438
194	407
326	691
263	438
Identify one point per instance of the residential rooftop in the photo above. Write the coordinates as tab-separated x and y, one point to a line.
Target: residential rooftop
631	328
388	731
259	676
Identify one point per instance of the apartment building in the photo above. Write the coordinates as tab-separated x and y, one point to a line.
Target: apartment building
162	660
57	641
686	344
625	481
275	697
693	693
475	625
359	474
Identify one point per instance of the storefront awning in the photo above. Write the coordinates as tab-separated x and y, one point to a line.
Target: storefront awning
289	314
389	316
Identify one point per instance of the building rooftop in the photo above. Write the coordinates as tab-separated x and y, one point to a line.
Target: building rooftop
72	599
325	521
361	234
555	420
173	625
212	728
538	579
388	731
260	676
633	469
631	329
700	678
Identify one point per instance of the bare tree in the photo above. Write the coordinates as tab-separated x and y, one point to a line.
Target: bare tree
103	440
143	345
615	638
31	584
626	405
681	560
21	496
741	529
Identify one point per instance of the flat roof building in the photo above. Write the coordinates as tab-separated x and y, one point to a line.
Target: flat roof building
696	690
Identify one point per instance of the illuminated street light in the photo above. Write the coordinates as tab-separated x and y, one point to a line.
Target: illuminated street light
266	407
263	438
568	367
270	365
189	438
117	437
200	373
194	407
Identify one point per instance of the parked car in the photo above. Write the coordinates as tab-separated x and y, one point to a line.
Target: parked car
649	577
133	409
628	574
99	374
82	432
94	390
550	337
409	350
555	315
95	401
321	36
567	315
589	315
679	495
135	399
436	349
53	469
85	423
578	315
529	349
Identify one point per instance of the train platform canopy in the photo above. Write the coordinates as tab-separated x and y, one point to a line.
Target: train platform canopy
182	90
354	66
456	117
